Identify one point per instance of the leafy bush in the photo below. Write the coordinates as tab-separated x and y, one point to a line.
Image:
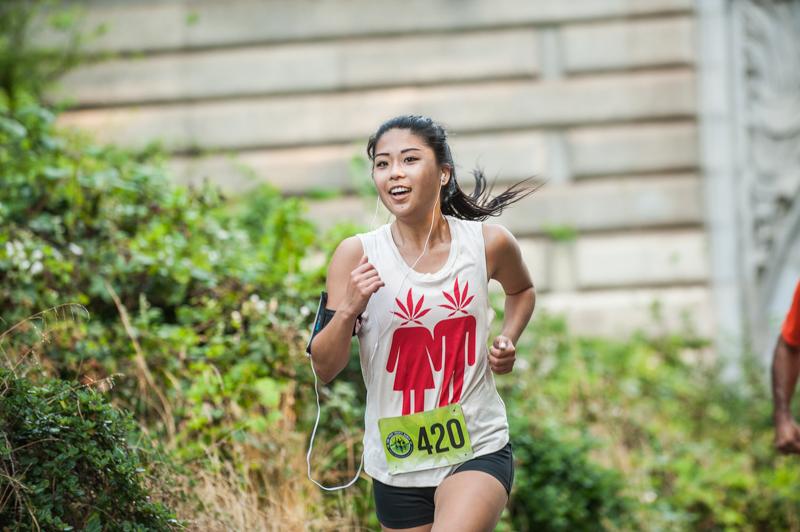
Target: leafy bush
205	308
556	486
66	462
694	449
201	306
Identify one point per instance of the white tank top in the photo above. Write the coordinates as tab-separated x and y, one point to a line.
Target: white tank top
448	308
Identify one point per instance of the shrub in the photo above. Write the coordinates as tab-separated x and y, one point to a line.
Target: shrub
694	448
557	487
200	305
67	463
203	307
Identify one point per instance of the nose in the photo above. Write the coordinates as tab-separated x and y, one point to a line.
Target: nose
396	170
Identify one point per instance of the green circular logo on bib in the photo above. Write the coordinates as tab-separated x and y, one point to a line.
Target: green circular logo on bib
399	444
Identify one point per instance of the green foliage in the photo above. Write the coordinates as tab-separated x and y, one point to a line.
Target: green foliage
560	233
694	449
557	487
27	67
215	297
192	18
66	462
322	193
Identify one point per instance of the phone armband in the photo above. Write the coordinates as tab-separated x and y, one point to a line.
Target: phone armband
323	317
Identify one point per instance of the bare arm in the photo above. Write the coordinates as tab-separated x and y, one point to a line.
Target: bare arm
518	311
504	264
350	283
785	370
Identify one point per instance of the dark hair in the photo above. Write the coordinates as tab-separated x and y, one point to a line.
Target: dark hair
476	206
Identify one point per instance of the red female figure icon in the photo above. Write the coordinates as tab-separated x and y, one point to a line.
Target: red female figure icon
455	340
410	355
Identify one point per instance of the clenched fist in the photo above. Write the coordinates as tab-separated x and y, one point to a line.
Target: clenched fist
363	282
502	355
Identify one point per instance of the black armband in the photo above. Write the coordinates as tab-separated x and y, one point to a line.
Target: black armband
323	317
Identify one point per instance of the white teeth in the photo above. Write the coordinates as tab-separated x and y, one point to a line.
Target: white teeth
395	190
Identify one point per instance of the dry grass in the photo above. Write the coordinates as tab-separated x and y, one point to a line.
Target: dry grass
273	494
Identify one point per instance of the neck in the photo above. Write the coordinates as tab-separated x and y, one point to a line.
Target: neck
412	234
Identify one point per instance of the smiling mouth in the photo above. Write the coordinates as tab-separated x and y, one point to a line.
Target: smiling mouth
399	192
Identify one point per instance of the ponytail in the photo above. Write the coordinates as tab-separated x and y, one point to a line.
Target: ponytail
480	204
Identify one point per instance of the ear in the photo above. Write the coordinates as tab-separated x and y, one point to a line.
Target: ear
444	175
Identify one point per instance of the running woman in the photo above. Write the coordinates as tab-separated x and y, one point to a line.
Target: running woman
436	440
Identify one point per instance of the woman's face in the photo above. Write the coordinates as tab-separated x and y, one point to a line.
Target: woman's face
405	173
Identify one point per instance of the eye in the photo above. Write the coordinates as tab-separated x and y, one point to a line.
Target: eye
410	158
380	164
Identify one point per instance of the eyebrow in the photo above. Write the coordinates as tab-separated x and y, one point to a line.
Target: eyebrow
401	151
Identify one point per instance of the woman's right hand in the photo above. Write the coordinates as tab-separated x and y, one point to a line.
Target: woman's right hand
362	283
787	436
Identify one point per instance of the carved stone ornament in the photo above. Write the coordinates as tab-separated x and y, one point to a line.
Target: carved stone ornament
770	206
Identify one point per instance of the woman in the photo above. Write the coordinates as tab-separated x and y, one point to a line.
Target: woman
436	435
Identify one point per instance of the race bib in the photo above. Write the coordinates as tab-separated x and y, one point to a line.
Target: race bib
425	440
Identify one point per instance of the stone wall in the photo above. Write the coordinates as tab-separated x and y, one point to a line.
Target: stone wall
597	96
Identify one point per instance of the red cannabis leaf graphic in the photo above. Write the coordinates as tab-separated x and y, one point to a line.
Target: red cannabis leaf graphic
460	301
455	338
411	313
410	356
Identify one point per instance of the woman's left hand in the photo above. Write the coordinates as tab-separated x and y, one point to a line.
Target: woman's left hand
502	355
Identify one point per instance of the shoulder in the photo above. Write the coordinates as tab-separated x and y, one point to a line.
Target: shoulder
501	247
497	238
347	253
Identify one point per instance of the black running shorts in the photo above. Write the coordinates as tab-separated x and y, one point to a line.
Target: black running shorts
409	507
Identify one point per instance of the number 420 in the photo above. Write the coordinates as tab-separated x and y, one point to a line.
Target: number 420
454	433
